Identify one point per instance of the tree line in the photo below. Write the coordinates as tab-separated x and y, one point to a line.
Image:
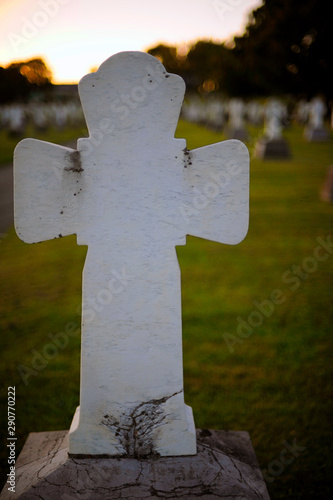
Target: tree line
21	79
285	49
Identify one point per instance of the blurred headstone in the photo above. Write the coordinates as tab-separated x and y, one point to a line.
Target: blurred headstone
254	112
315	130
194	110
273	145
302	111
215	114
40	117
16	120
236	124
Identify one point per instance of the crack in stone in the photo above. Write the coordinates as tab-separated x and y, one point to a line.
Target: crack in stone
215	459
50	457
242	479
180	491
140	473
135	432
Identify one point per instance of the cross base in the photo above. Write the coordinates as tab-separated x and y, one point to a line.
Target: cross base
224	467
138	439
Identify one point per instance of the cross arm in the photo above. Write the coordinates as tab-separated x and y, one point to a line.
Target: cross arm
47	183
217	192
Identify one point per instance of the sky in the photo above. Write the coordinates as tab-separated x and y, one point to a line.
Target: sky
74	36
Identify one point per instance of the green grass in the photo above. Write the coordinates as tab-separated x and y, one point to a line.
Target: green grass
57	136
276	383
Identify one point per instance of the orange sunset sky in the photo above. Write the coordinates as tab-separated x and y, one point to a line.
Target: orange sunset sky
73	36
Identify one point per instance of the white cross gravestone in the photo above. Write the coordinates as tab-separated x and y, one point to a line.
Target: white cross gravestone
273	145
236	128
315	130
131	192
275	112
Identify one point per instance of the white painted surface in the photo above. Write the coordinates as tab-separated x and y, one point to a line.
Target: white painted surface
132	192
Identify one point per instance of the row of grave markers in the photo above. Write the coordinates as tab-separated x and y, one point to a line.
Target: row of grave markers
15	118
231	115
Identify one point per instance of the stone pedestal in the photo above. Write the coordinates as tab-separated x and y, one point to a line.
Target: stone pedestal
271	149
225	466
319	134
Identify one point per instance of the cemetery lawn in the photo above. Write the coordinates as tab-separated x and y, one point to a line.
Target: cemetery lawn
271	376
8	143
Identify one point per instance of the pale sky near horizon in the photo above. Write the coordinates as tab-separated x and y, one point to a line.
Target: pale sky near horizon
73	36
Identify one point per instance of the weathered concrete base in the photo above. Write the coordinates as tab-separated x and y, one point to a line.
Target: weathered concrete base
271	149
316	134
225	466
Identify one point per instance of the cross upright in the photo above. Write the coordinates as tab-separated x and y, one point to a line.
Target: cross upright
131	192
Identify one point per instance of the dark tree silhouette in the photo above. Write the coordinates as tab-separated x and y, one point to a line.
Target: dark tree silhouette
19	79
285	50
